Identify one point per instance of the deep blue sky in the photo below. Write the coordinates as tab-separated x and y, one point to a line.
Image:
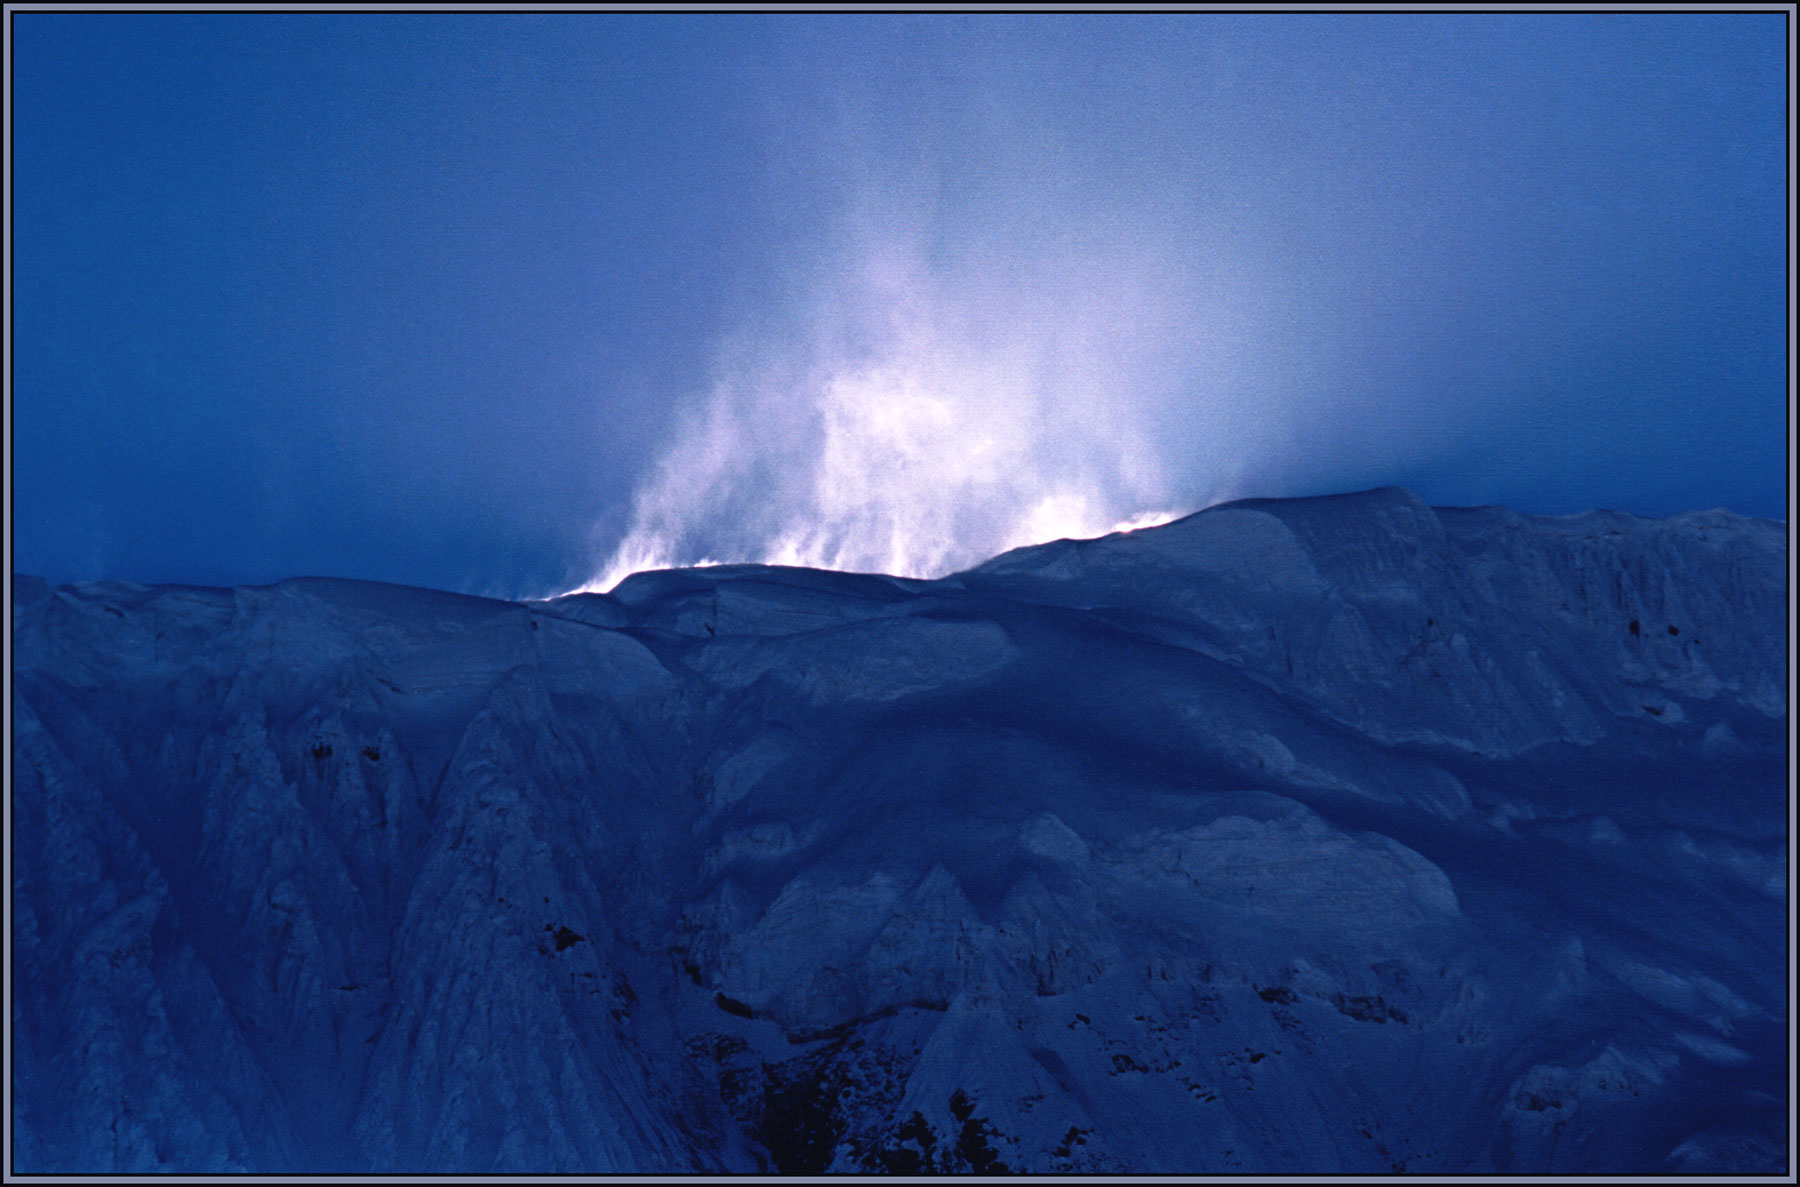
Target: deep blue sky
497	303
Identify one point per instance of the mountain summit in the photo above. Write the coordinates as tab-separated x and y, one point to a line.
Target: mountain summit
1340	834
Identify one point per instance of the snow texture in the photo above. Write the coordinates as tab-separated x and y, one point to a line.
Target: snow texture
1340	834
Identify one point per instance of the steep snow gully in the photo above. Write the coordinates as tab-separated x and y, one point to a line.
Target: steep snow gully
1339	834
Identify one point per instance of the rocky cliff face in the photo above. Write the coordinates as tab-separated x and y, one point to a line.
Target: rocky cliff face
1320	835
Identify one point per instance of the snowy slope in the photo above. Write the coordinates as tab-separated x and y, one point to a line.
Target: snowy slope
1332	834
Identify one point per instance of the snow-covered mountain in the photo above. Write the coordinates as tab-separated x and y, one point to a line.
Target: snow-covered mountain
1338	834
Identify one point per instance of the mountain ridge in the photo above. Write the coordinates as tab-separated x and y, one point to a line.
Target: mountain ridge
1297	835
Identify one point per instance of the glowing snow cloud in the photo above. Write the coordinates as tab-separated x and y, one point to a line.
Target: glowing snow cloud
1002	324
1145	519
915	420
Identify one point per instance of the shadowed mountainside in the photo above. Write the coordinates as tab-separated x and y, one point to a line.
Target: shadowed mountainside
1338	834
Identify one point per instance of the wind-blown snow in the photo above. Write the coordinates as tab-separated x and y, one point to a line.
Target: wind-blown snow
1339	834
914	416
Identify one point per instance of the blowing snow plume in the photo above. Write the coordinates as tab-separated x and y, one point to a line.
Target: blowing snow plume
994	327
915	421
1036	278
917	417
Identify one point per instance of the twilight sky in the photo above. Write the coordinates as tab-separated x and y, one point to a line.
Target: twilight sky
512	304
